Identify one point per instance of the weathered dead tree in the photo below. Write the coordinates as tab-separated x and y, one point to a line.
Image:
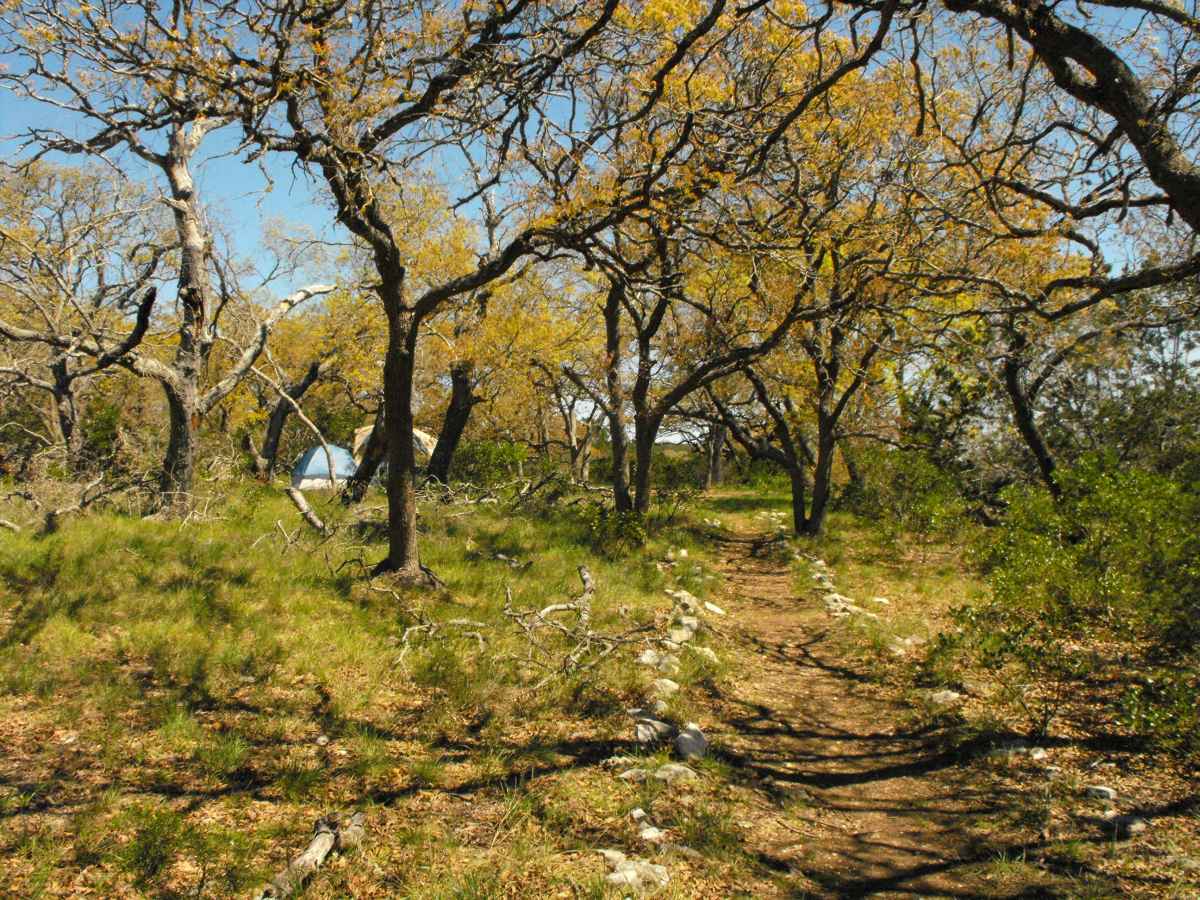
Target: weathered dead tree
585	648
330	834
307	512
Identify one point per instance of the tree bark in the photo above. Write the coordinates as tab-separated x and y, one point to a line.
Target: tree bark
822	477
179	466
616	401
1027	425
195	302
66	414
266	458
398	370
454	423
374	455
645	435
715	461
799	490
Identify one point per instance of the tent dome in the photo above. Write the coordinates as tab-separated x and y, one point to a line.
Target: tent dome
311	471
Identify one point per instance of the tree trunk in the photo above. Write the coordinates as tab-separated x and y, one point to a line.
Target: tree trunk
714	468
645	434
462	401
374	454
195	303
581	449
179	466
853	472
799	488
398	368
616	401
822	477
265	460
1027	425
66	415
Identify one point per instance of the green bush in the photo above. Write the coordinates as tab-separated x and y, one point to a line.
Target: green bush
615	533
1116	560
903	492
487	462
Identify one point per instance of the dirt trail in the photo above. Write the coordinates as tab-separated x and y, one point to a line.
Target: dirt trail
863	805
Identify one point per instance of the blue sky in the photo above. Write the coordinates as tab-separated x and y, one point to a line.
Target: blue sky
237	195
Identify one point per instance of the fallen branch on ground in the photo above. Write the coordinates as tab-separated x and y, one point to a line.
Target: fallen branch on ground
330	833
586	648
306	511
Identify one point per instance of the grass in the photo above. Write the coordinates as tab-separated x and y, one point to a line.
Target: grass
179	703
194	667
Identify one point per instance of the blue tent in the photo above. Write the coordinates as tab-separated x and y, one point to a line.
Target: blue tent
312	470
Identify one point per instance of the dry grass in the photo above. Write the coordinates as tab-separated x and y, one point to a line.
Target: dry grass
164	691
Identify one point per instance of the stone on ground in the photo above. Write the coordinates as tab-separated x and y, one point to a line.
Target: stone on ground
652	835
1100	792
691	743
680	635
673	772
663	687
713	608
649	731
638	875
706	652
945	697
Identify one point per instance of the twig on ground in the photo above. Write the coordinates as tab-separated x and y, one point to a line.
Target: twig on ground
330	834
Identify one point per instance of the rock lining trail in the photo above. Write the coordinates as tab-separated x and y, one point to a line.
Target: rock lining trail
862	804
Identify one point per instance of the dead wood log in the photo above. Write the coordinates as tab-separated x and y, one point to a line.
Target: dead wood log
330	834
306	511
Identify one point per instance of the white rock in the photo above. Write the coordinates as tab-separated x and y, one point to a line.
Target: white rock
673	772
705	652
663	687
1100	792
691	743
637	814
613	857
615	762
882	601
685	599
670	557
648	731
690	622
713	608
650	658
820	564
322	741
680	635
635	775
945	698
683	553
1038	753
652	835
643	877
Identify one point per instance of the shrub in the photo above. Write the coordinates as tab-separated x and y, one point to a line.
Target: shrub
487	462
615	533
1117	559
904	491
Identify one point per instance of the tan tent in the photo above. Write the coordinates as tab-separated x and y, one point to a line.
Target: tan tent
423	443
